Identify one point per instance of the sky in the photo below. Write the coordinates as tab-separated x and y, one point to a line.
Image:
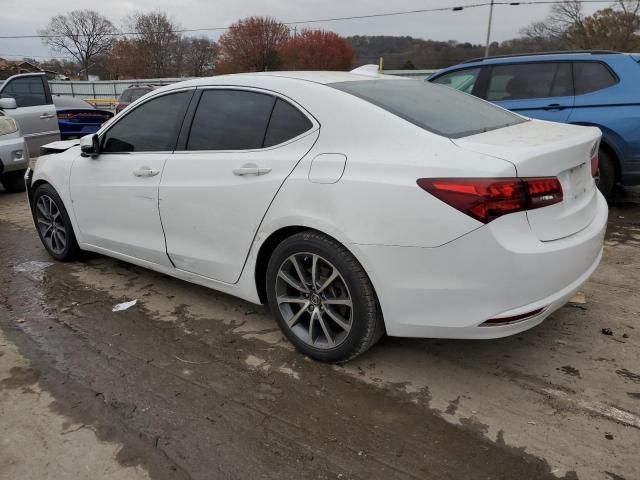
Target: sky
28	16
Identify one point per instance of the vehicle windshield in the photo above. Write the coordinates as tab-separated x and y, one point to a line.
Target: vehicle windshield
436	108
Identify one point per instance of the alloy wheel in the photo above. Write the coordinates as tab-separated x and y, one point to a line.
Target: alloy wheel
314	300
50	224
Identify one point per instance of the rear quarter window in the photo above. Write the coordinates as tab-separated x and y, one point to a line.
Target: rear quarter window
436	108
592	76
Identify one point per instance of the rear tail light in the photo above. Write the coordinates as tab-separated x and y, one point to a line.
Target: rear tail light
486	199
65	116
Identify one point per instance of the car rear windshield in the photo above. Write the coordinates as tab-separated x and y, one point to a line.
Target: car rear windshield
436	108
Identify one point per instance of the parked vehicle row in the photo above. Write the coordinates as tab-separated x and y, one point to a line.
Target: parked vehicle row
351	203
592	88
31	117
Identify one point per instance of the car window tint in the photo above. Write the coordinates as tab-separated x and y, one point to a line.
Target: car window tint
150	127
286	122
230	120
27	91
435	108
126	95
592	76
463	80
139	92
531	80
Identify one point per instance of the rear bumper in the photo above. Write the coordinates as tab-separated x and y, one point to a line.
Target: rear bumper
498	270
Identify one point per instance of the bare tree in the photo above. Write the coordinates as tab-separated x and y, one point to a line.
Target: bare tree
615	27
199	56
157	41
83	34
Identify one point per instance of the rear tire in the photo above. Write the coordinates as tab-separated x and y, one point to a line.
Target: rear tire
322	298
53	224
607	173
13	182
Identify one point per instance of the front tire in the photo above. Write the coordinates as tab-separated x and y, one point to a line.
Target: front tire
13	182
322	298
53	224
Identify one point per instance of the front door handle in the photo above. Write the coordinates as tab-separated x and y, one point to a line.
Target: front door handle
146	172
44	116
250	169
554	106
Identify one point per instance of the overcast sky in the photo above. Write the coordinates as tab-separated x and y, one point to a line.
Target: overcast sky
27	16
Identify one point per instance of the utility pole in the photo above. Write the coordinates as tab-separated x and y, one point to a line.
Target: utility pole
488	44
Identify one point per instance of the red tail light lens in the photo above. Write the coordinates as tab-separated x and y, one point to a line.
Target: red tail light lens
595	164
64	116
486	199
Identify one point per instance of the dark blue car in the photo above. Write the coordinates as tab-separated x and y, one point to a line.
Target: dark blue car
596	88
77	118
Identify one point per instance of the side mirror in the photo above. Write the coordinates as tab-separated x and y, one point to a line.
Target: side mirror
8	103
90	145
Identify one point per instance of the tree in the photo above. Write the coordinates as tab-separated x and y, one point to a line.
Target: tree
125	60
614	28
157	42
316	50
408	65
83	34
200	56
251	45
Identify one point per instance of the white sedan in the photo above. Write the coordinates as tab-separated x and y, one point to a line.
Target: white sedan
353	204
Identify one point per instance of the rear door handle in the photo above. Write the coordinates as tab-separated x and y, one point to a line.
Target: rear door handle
47	115
250	169
554	106
146	172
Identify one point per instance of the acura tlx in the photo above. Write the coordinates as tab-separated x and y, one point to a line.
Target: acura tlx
353	204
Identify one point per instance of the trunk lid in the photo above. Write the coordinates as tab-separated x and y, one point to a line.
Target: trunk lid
547	149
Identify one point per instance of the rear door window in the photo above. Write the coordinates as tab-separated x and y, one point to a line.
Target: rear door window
529	80
27	91
230	120
463	80
150	127
592	76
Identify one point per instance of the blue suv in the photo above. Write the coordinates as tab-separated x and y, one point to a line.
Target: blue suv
596	88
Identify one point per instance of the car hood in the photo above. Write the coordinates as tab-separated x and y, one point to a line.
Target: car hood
59	146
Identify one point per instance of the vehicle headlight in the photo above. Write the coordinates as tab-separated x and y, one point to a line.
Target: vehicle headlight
8	125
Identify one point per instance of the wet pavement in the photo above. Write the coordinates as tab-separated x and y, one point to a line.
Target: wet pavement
191	383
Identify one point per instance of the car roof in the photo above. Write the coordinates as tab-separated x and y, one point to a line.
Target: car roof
597	55
320	77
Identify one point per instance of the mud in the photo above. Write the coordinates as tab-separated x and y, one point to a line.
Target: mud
191	383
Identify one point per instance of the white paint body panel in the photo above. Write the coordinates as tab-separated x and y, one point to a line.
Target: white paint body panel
437	271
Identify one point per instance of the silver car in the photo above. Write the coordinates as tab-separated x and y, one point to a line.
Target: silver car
27	98
14	156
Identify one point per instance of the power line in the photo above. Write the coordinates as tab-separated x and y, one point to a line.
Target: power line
21	55
334	19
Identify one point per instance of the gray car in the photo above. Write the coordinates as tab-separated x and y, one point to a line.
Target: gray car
14	156
27	98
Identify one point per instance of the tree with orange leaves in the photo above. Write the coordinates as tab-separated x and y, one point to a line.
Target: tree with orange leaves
251	45
316	50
